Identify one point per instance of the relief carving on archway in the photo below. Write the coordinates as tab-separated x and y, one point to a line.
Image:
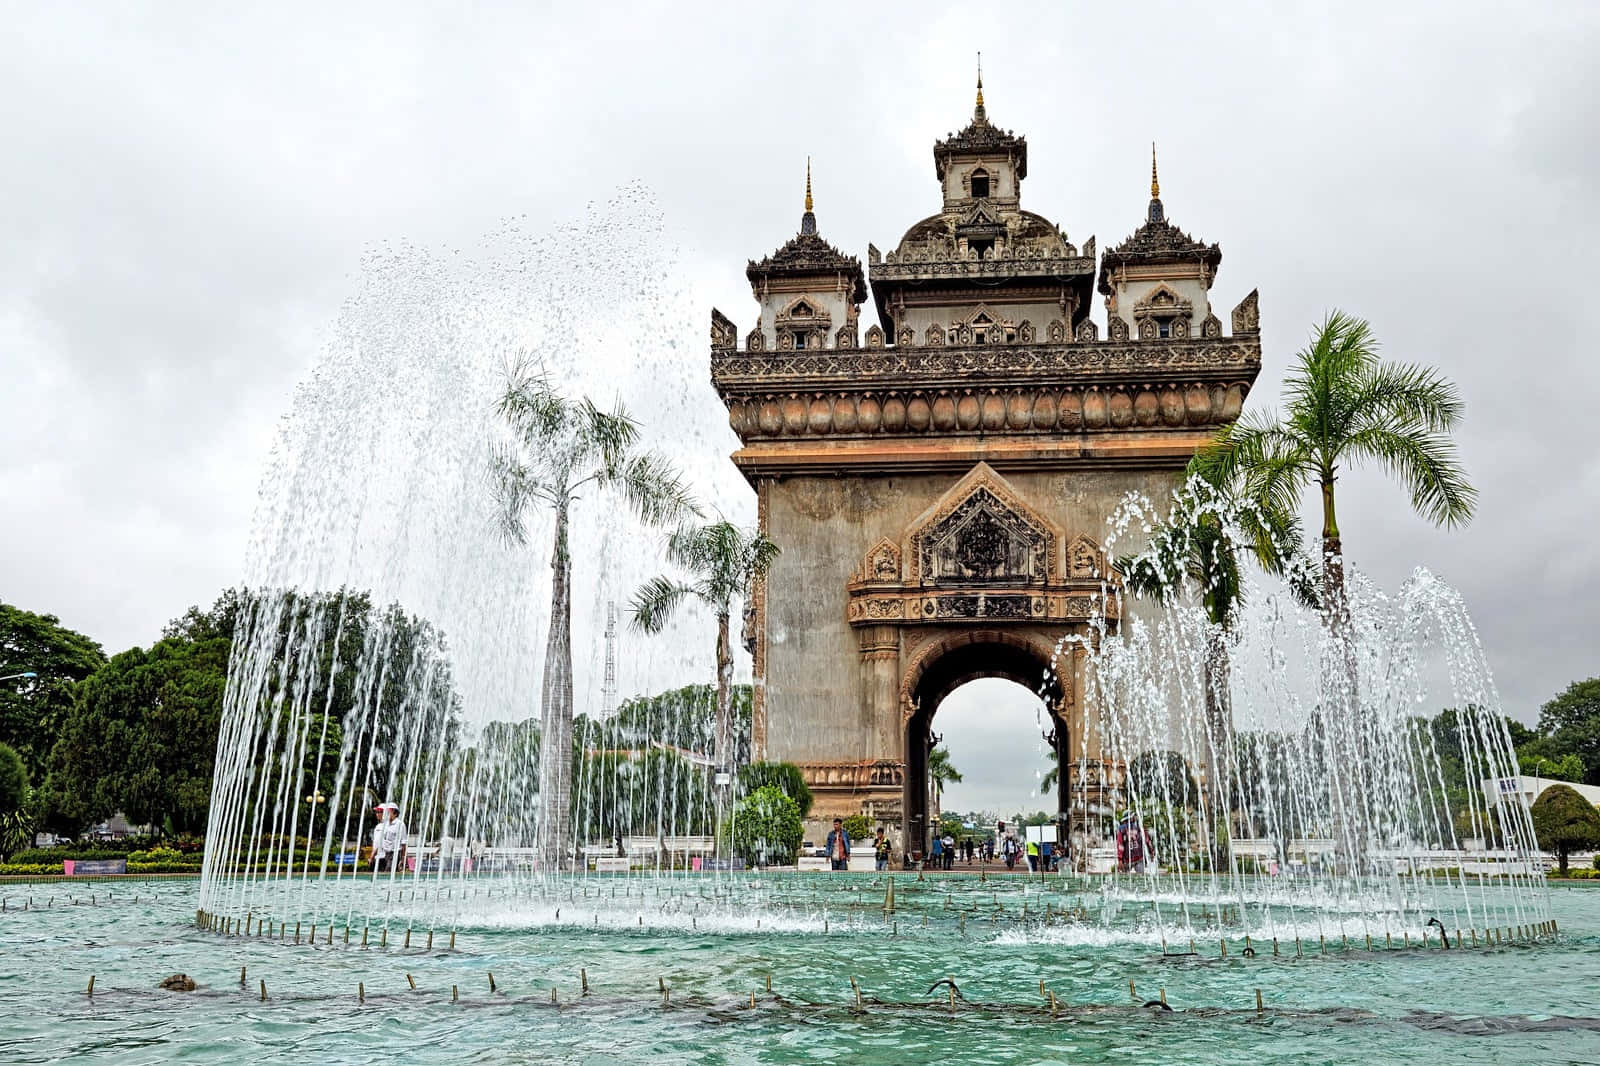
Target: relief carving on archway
982	554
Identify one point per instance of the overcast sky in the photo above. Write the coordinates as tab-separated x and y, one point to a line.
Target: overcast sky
187	196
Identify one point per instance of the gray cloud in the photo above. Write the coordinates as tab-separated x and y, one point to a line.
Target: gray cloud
188	196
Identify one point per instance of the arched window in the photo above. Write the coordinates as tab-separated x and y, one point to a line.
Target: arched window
980	183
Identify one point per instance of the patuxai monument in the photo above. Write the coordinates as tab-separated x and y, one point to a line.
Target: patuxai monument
938	477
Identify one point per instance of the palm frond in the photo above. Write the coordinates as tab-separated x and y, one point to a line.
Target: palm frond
535	411
1152	575
760	555
653	488
514	487
656	601
1426	464
1403	395
610	436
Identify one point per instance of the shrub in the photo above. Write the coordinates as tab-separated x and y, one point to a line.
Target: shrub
185	866
156	854
69	851
784	776
859	826
765	828
1565	822
29	869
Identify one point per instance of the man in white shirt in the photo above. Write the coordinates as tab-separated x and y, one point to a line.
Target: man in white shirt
388	840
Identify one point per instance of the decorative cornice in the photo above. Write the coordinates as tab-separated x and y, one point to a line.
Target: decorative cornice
990	365
856	776
894	267
1056	605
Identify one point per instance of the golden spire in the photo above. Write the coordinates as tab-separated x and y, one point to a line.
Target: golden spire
808	183
1155	185
978	109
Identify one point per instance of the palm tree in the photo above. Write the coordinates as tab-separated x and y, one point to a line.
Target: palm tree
562	448
723	561
1345	406
941	772
1199	545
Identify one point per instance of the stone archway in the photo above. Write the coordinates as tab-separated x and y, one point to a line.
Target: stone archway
944	666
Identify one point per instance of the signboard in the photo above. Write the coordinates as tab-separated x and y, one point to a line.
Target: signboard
93	867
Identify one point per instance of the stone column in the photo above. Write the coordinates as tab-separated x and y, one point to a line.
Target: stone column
756	639
880	689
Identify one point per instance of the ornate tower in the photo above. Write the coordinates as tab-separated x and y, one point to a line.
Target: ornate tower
939	489
810	293
1157	283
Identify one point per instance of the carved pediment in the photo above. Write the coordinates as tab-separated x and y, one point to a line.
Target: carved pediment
882	563
1085	559
1161	301
981	532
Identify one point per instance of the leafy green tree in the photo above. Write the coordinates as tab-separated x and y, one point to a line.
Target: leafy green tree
683	718
141	734
859	826
16	823
33	708
405	710
1164	777
784	776
562	449
636	793
1345	406
765	828
1565	822
1571	725
723	562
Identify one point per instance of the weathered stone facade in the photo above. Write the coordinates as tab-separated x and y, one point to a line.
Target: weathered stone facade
939	486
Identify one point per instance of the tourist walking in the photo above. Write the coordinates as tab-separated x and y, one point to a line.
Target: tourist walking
936	856
839	846
1008	852
881	850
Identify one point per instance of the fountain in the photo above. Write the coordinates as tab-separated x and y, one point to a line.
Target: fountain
388	652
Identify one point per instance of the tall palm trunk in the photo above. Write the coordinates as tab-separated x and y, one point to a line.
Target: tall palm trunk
1219	739
722	746
1342	698
555	706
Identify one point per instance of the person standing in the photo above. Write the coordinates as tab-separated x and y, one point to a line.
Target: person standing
881	850
936	856
839	846
388	840
1133	844
949	851
1033	856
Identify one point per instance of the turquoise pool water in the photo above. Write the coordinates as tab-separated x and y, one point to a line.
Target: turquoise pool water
1533	1003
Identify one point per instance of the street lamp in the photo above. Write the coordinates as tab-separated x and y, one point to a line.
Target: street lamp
13	677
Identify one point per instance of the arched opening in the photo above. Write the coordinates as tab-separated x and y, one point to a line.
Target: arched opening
965	659
980	184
